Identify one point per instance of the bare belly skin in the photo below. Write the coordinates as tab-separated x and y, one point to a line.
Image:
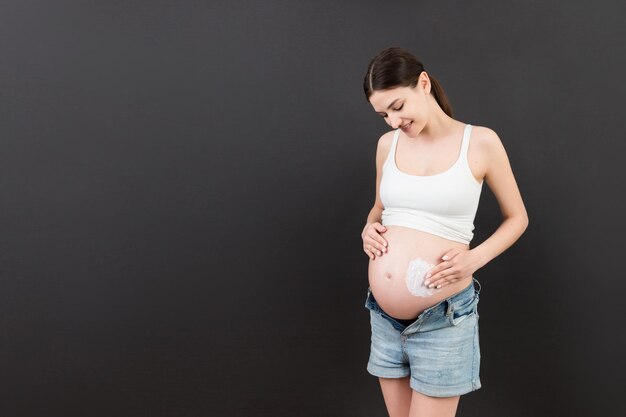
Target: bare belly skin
387	272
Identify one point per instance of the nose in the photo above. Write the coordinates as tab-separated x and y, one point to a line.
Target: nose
395	122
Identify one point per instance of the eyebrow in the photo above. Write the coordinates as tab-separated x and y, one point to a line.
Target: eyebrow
389	106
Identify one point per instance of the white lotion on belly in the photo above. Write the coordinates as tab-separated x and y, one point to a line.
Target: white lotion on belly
415	278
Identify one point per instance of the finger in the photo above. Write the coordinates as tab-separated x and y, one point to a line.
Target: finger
433	284
442	279
442	283
441	274
374	242
437	269
434	280
450	254
379	227
372	249
436	283
430	275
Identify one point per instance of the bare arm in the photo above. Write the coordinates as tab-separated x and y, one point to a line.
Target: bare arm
375	215
499	177
373	243
382	150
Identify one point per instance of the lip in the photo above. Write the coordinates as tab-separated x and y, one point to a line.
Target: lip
406	127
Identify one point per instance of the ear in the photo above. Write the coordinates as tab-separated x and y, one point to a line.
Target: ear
424	82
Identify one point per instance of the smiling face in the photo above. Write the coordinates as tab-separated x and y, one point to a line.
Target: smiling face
405	107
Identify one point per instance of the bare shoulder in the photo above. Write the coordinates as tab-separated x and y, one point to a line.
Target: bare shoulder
499	175
485	145
385	140
384	145
484	138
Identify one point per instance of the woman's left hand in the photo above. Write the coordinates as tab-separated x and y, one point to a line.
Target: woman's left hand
456	265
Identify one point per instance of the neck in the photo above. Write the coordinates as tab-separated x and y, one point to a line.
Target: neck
439	124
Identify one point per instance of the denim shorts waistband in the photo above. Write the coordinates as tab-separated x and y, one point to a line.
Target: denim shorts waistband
466	292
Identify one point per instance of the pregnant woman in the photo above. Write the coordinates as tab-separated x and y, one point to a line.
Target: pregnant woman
422	295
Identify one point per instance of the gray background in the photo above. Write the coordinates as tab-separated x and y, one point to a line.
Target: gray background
184	185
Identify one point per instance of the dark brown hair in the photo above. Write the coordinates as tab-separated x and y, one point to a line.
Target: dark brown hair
396	67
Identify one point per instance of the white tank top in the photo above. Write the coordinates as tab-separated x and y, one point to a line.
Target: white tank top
443	204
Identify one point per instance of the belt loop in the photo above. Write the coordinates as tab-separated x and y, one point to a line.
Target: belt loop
479	286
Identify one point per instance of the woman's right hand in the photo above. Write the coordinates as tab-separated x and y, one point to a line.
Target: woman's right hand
373	242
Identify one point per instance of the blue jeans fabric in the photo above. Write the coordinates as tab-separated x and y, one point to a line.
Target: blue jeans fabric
440	349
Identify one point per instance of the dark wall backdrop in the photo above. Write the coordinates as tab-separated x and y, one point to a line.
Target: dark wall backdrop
184	185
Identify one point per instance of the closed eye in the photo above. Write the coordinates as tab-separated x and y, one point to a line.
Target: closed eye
398	109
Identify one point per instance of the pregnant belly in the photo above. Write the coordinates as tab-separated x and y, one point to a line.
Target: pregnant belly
387	274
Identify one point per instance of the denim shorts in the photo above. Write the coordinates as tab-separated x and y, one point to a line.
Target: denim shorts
439	349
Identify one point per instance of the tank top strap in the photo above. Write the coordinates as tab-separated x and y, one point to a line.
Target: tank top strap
395	138
466	139
394	142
